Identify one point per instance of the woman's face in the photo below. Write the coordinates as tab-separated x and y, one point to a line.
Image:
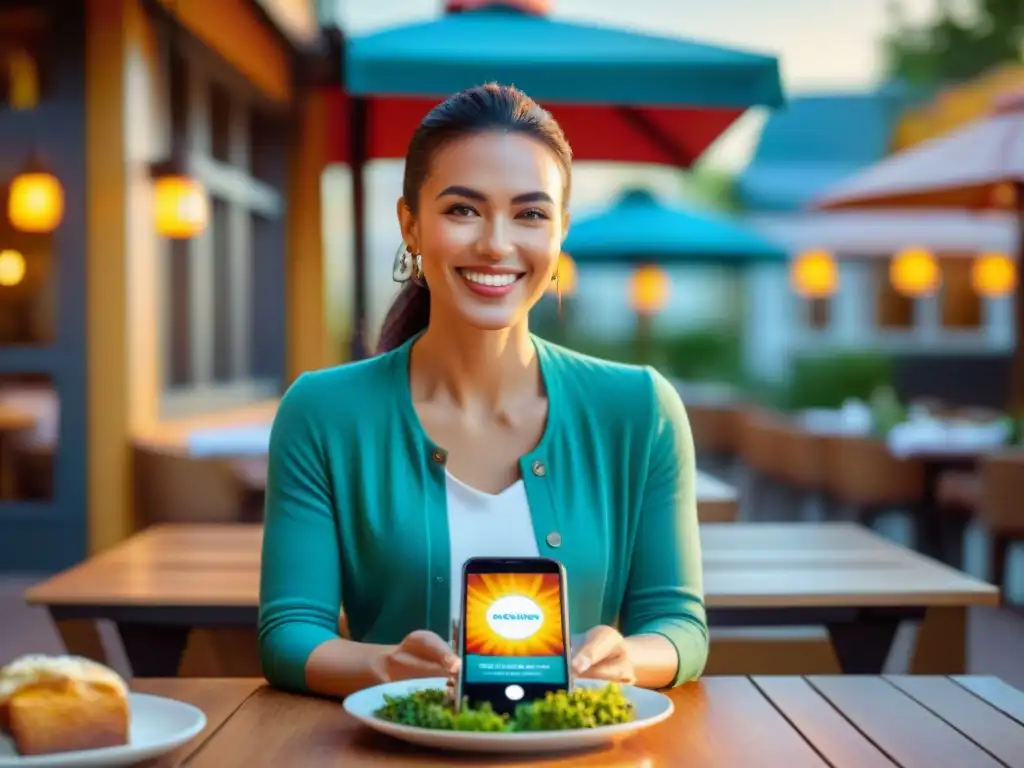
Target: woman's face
489	228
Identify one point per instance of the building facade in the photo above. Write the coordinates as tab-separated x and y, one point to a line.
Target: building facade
110	333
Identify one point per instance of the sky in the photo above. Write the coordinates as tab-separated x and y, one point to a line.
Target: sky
821	44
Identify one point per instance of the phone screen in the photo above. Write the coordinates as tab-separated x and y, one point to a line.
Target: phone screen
514	641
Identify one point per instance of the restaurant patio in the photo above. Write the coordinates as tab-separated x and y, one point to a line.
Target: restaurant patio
193	196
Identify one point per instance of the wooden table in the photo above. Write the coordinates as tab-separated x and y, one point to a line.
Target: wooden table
170	579
717	501
723	722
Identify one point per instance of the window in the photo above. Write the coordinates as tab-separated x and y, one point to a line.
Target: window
895	311
961	305
225	297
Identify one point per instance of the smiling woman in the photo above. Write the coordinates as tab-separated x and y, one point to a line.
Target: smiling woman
470	437
483	212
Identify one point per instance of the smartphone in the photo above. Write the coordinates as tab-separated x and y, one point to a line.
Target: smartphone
513	631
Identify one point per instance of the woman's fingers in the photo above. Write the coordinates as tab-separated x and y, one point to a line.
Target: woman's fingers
600	643
432	649
613	670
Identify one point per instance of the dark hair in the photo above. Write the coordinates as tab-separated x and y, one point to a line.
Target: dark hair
490	107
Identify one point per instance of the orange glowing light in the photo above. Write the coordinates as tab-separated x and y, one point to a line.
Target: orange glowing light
486	593
36	202
649	289
914	272
994	274
180	207
814	275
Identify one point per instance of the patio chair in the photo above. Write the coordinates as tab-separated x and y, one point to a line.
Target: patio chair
867	481
1000	507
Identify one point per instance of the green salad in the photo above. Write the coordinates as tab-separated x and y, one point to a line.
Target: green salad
557	711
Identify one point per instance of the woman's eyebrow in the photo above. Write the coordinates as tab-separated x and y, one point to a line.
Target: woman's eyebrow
472	194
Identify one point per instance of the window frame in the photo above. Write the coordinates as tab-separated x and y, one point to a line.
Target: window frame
246	196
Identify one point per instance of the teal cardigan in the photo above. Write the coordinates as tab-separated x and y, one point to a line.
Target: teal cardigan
356	509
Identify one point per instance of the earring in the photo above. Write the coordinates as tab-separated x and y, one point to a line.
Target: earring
407	267
417	270
401	272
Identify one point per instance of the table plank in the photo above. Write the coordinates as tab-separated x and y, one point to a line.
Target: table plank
718	723
910	734
832	735
973	717
724	722
1003	697
218	699
745	566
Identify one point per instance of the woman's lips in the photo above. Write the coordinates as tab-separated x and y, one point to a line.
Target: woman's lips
490	284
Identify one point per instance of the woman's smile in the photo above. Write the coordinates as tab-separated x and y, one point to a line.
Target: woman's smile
489	283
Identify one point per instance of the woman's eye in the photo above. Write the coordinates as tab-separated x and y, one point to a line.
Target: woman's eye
533	213
461	210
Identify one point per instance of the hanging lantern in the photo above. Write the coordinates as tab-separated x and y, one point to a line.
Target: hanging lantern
994	274
814	275
180	206
12	268
649	289
35	202
914	272
565	272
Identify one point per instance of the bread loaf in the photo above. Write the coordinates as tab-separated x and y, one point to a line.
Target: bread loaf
51	704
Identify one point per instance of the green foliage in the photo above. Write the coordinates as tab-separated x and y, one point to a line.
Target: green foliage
954	47
712	187
825	381
557	711
704	355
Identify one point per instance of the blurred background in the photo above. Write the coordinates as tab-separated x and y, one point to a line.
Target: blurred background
180	243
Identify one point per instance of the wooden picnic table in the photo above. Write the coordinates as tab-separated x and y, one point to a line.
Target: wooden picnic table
717	501
162	583
719	722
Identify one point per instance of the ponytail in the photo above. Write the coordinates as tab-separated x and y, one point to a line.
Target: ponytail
409	314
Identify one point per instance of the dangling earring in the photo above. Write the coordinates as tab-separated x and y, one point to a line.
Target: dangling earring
417	271
407	267
402	271
558	289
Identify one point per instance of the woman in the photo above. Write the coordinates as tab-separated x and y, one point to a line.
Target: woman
468	436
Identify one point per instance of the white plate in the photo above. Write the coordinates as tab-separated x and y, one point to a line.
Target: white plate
651	708
158	726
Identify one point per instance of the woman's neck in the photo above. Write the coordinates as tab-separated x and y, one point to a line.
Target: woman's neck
474	368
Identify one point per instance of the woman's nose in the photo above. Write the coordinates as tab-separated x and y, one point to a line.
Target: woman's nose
496	242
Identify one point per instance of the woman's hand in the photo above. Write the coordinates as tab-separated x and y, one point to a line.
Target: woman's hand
421	654
603	655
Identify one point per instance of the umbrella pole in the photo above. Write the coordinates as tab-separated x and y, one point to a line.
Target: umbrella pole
357	167
645	338
1017	371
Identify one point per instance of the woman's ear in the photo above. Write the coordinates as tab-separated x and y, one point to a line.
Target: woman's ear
407	223
566	220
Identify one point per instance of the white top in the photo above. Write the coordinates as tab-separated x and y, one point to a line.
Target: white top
486	525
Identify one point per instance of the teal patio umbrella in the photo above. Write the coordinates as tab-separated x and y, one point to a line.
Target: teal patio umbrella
639	229
620	95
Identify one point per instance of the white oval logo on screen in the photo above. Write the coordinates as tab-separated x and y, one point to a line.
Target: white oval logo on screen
515	617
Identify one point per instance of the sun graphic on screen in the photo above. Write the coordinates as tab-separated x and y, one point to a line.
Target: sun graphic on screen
513	614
